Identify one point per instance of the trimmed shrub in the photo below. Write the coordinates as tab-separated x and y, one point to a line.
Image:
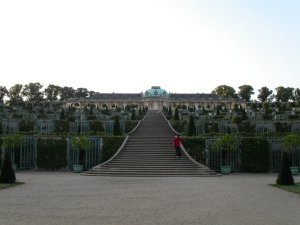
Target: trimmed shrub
110	146
196	148
117	126
51	153
133	116
192	127
176	115
284	176
255	155
7	173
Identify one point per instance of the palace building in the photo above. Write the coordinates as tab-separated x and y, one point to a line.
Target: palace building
155	99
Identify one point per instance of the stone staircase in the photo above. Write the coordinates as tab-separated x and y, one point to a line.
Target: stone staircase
149	152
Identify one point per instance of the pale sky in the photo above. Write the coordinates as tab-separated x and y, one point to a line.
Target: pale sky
184	46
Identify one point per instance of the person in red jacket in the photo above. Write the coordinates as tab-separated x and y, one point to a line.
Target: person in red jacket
177	143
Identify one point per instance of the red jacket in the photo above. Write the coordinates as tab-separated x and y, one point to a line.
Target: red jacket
177	142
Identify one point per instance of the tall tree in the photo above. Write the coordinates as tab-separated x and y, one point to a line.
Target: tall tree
264	94
32	92
225	91
91	94
296	96
3	92
15	94
284	94
52	92
67	92
81	93
245	92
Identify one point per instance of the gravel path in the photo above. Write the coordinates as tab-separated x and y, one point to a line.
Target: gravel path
63	198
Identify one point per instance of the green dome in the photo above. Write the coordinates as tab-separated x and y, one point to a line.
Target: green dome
155	91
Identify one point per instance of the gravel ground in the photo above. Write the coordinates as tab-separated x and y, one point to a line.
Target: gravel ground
50	198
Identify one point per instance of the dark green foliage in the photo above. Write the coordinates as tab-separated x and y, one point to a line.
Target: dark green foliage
247	127
133	116
17	116
110	146
129	125
117	126
62	126
285	176
170	112
62	114
71	118
192	127
91	117
176	115
196	148
282	127
51	153
7	173
211	127
96	127
255	155
92	110
26	126
179	125
82	144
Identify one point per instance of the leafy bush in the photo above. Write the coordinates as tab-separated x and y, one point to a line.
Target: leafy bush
96	127
282	127
91	117
62	126
255	155
51	153
211	127
110	146
179	125
26	125
196	148
130	125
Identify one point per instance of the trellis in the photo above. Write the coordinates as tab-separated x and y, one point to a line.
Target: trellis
214	159
24	155
93	154
277	148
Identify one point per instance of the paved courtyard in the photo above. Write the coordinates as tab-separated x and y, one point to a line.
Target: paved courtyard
64	198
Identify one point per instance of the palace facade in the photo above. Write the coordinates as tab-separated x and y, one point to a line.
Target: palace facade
155	99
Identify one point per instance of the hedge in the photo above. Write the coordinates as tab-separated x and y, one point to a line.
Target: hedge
196	148
255	155
110	146
51	153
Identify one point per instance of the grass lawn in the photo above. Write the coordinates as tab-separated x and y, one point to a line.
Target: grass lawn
3	186
292	188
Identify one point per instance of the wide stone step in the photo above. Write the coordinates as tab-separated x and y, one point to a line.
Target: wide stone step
149	152
150	173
